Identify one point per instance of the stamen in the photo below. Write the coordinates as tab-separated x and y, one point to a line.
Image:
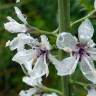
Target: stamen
80	50
42	52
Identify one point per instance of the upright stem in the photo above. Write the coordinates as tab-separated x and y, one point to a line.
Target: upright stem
64	26
64	15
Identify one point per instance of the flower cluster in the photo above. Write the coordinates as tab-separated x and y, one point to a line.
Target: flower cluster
33	54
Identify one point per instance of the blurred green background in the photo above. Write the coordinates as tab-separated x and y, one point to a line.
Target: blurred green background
41	14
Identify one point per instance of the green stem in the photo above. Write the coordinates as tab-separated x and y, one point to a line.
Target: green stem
34	30
64	26
80	20
64	15
84	85
50	90
6	6
62	86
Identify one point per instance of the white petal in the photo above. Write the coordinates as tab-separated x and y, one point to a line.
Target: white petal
20	41
10	19
91	92
32	81
20	15
27	39
40	67
17	1
88	69
67	66
92	52
45	42
46	66
91	43
8	43
85	31
95	4
15	27
52	94
14	44
29	92
53	59
66	41
25	57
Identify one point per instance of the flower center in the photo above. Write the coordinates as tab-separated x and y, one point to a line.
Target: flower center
42	52
80	50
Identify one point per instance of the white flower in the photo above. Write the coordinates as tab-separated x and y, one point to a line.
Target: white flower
91	92
20	41
14	27
17	1
35	92
32	80
81	51
95	4
29	92
34	60
52	94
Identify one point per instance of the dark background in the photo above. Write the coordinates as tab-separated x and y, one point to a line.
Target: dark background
41	14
